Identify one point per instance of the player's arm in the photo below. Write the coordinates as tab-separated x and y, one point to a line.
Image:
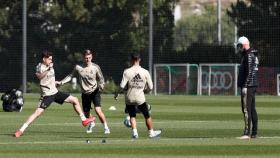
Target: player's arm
41	75
67	78
248	70
100	78
118	91
123	86
149	84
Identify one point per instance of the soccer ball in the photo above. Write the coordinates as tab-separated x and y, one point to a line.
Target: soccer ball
126	122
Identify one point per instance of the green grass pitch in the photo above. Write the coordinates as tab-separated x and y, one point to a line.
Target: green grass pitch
193	126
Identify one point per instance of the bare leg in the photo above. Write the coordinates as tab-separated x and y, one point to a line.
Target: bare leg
152	133
134	128
30	119
33	116
149	123
102	119
133	122
100	114
76	104
77	107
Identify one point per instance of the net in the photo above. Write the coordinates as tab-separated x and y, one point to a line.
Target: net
175	78
218	79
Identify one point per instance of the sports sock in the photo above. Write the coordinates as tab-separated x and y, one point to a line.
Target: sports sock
23	127
82	116
105	125
134	131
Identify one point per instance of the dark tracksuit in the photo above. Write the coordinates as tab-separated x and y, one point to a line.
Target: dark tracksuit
247	78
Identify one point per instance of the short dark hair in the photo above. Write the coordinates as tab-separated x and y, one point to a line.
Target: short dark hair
46	54
135	56
87	52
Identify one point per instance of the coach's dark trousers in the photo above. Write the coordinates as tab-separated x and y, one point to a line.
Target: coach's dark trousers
249	110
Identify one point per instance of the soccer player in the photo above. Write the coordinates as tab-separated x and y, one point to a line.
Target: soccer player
49	93
247	81
134	82
92	83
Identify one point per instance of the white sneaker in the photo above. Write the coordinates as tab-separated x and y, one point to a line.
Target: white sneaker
155	134
107	131
90	127
135	136
244	137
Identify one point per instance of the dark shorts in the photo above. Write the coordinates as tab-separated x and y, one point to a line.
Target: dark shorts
143	108
59	98
94	97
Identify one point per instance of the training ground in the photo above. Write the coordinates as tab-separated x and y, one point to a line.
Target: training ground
193	126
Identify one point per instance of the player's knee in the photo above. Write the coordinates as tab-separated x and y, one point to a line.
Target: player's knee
39	111
98	110
74	100
147	115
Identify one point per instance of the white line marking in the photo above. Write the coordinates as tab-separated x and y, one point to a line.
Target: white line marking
156	122
273	137
109	141
118	123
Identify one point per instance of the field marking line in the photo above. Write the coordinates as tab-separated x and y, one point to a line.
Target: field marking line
99	140
121	122
272	137
118	123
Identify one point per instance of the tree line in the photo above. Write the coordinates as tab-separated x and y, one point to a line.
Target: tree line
115	28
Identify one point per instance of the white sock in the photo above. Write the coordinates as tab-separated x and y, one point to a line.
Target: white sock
105	125
23	127
82	116
134	131
151	131
92	123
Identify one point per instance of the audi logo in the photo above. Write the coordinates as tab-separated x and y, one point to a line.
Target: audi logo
219	80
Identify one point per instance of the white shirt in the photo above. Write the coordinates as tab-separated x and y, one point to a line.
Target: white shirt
90	77
47	83
135	79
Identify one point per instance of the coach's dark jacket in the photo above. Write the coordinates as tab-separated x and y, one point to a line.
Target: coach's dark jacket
248	69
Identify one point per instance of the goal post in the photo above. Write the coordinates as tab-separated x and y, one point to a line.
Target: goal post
176	79
193	79
278	84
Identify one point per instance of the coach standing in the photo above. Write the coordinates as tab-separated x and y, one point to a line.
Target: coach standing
247	81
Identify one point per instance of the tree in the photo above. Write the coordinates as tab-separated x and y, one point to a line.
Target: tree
112	28
163	28
10	33
202	29
259	20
